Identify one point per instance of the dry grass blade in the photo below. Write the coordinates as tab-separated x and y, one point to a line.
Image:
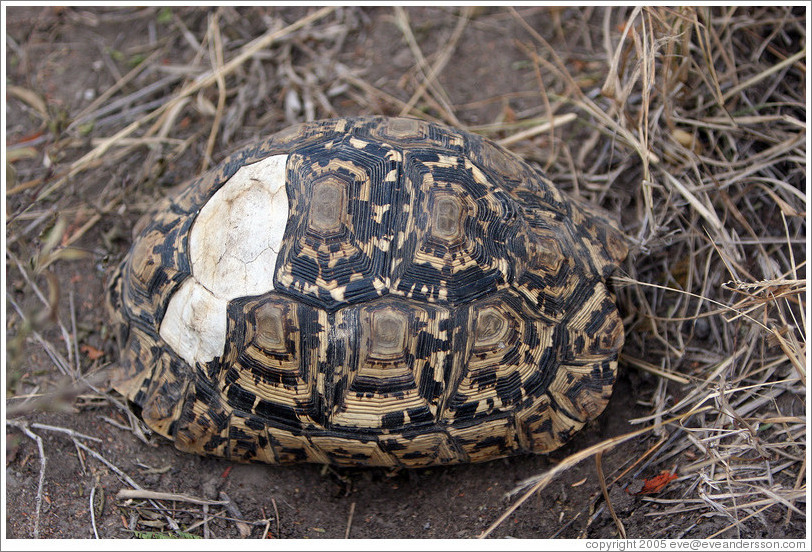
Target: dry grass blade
388	98
738	522
648	367
602	480
93	110
216	55
31	98
243	528
349	520
707	213
538	129
764	74
92	508
123	476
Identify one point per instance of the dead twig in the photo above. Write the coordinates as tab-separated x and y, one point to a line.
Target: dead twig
43	461
233	509
216	56
126	478
349	520
92	506
430	74
126	494
276	514
536	130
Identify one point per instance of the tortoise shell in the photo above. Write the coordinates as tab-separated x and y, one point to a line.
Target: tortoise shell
368	291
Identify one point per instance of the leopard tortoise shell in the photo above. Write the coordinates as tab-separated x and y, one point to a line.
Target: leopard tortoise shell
370	292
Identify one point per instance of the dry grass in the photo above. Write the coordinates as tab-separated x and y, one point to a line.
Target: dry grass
689	123
714	135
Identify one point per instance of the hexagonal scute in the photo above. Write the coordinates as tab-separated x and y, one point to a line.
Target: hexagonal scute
397	362
236	236
269	327
552	282
385	331
343	195
455	246
544	252
492	328
264	371
448	214
509	357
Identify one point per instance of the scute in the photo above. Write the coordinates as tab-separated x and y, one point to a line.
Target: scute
338	253
453	258
369	291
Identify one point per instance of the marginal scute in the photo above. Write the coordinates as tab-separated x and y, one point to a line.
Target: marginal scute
583	391
490	438
595	330
417	450
351	450
369	291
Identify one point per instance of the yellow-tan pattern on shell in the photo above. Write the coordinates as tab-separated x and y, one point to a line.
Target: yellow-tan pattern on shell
435	300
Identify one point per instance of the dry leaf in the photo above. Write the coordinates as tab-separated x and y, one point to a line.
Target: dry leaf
657	483
92	352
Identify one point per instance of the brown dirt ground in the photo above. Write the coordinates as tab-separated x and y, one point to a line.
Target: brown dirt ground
65	55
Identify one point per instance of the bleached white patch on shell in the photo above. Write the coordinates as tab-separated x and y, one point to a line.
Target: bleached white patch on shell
237	235
195	323
233	245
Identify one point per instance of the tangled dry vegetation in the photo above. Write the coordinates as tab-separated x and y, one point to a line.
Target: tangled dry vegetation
706	121
687	123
